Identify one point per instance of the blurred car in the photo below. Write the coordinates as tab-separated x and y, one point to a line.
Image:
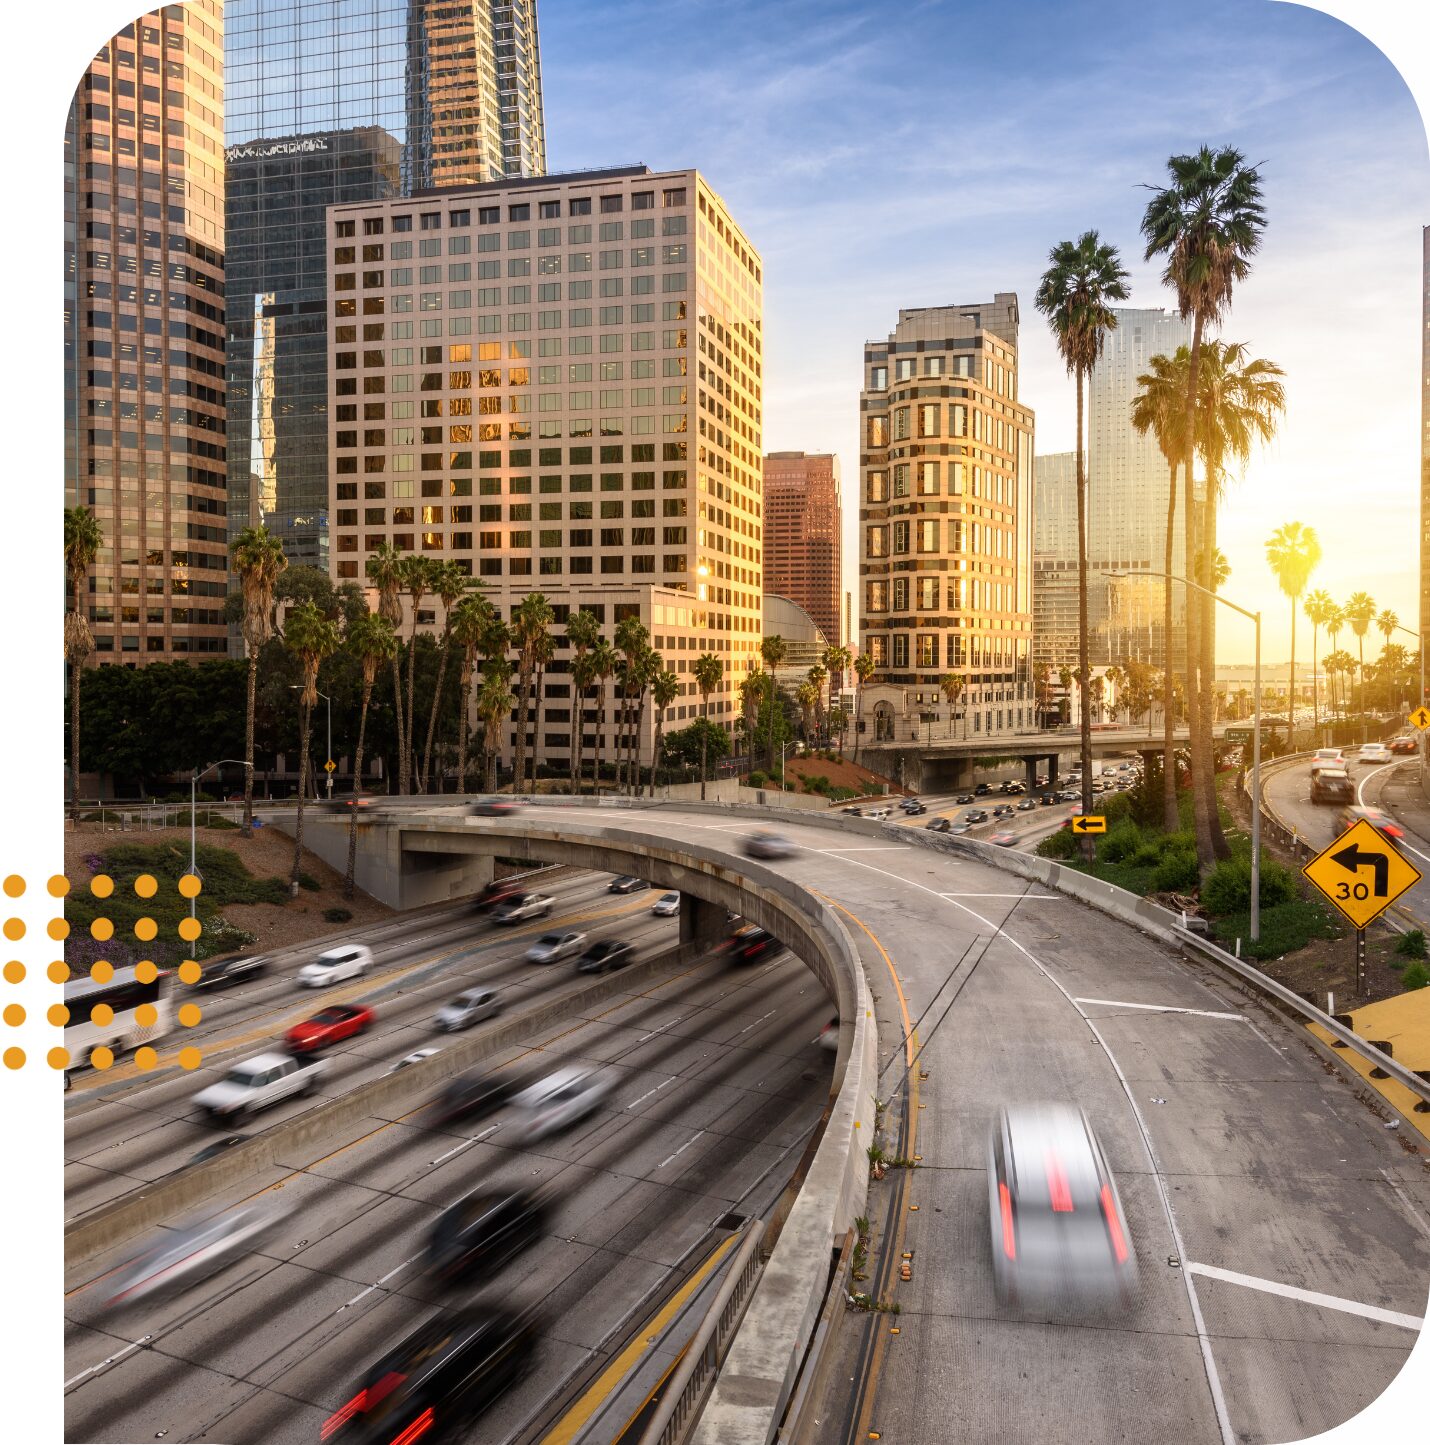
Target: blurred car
975	815
472	1096
224	971
666	906
627	884
482	1232
938	825
1057	1225
1405	745
259	1083
1003	840
363	800
493	807
1012	786
773	845
1048	799
750	944
1328	758
853	812
348	960
963	798
438	1379
1070	795
829	1035
1375	753
498	891
520	907
558	1101
1003	810
1332	785
1382	822
329	1026
553	947
983	789
959	828
218	1147
913	810
467	1009
604	956
415	1057
184	1256
877	815
1026	805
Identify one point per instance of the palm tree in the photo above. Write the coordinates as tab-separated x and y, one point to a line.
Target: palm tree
1386	622
583	631
1293	552
839	724
372	641
529	625
312	637
418	573
806	695
632	638
863	670
664	689
1360	612
643	673
449	582
494	705
384	571
1160	407
544	652
818	675
1317	608
836	661
752	697
951	685
772	651
1082	279
472	618
1335	620
709	673
258	560
603	668
83	539
1207	223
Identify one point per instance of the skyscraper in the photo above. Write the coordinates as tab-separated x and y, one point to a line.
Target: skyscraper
1055	638
1127	484
328	103
803	523
144	333
1425	438
946	518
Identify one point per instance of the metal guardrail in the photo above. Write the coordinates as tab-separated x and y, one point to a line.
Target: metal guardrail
679	1408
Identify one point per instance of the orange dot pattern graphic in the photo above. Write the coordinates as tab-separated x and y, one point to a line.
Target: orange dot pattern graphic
146	1057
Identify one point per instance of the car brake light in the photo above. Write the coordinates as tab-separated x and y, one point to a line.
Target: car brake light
420	1426
1114	1225
1391	831
340	1418
1058	1191
1005	1208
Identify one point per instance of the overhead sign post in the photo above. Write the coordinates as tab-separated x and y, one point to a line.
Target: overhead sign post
1089	823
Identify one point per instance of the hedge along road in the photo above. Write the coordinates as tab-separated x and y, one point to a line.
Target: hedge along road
1282	1229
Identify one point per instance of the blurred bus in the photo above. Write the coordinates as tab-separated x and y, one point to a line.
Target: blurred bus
124	995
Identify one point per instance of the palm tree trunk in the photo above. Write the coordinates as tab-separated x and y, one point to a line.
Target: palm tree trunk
519	752
1221	849
411	671
402	779
432	716
574	747
304	733
357	788
1171	819
1201	816
493	746
600	736
858	720
1291	686
704	745
248	729
76	671
1315	684
1084	714
1360	686
538	703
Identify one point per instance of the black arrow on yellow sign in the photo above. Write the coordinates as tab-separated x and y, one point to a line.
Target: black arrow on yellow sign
1353	860
1089	823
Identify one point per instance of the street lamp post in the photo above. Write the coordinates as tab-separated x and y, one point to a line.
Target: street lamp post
298	687
1420	701
1255	734
194	778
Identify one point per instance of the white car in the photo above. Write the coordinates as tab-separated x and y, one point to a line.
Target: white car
559	1100
468	1008
349	960
553	947
877	815
522	907
1328	758
415	1057
258	1083
666	906
1375	753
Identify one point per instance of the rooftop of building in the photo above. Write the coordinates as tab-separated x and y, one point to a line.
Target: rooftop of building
563	178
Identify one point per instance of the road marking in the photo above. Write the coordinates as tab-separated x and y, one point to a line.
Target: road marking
1310	1297
655	1090
1040	897
677	1019
1164	1008
756	1023
467	1143
679	1151
363	1295
884	848
113	1359
1360	799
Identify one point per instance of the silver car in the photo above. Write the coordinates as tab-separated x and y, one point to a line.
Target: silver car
561	1099
1059	1234
468	1008
553	947
772	845
666	906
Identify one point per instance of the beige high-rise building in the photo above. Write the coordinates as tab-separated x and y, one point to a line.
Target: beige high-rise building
946	522
556	382
144	334
803	526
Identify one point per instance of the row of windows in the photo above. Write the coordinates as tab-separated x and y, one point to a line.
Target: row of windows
928	419
672	197
432	514
491	350
130	643
928	534
671	252
516	321
938	594
894	649
926	480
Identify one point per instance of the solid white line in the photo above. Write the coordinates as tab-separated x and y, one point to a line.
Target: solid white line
661	1029
1310	1297
467	1143
649	1092
678	1152
883	848
1360	798
756	1023
1164	1008
363	1295
128	1349
1041	897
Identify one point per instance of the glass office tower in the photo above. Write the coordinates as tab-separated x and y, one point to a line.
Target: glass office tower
332	101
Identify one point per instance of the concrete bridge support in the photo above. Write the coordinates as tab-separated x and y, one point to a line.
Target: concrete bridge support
700	920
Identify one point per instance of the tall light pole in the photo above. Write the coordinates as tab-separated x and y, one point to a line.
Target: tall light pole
1420	701
298	687
1255	733
193	803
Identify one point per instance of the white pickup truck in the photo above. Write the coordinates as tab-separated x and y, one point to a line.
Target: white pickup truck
257	1083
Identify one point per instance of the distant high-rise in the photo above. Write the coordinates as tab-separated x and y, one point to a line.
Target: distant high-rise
1127	480
1055	639
946	471
144	333
330	103
1425	440
803	523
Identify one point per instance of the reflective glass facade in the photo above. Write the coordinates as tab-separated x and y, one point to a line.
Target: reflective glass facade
333	102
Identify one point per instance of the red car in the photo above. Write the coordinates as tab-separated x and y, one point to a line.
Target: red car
329	1026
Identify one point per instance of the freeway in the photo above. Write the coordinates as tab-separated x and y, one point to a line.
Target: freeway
1283	1232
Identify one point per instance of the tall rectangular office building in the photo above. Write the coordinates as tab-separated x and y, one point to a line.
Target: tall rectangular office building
803	527
328	103
1055	622
144	333
946	472
556	383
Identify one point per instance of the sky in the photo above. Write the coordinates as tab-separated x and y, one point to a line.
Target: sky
928	153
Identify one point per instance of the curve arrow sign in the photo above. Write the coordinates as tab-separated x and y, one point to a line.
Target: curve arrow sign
1353	860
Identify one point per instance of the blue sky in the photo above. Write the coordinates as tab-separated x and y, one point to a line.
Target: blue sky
887	155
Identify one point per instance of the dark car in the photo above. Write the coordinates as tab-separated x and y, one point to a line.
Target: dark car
983	790
605	955
497	891
219	1146
913	810
963	798
938	825
472	1096
224	971
493	807
626	884
750	945
1404	745
1003	810
482	1232
975	815
439	1378
1048	799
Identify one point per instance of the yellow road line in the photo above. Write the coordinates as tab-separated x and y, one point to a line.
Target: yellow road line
574	1420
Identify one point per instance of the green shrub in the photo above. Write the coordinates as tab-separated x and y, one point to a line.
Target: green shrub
1411	944
1120	844
1149	855
1416	976
757	779
1061	844
839	794
1176	873
337	915
1285	927
306	880
791	786
1228	889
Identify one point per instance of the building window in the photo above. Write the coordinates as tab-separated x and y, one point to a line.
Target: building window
878	487
927	649
878	431
900	649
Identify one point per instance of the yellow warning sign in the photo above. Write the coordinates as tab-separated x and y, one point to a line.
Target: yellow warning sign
1421	717
330	766
1362	873
1089	823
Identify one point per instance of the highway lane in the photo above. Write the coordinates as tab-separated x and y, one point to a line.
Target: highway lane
721	1083
160	1130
